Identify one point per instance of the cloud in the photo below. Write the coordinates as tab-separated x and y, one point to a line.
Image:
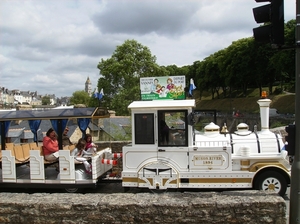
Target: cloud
144	17
29	54
53	46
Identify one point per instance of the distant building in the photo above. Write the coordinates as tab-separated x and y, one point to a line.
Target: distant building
6	98
63	101
88	86
52	99
12	98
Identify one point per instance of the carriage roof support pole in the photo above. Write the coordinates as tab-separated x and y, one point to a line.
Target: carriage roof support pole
2	126
59	133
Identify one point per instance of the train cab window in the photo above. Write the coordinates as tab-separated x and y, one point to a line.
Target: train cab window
172	128
144	128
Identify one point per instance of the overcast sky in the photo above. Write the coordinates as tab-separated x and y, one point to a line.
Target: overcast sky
52	46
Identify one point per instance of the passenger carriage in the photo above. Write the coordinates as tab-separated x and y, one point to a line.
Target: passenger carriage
23	165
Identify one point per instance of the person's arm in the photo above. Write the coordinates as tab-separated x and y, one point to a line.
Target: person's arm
50	145
74	152
94	145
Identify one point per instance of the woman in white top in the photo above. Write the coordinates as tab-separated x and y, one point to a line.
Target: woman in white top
79	153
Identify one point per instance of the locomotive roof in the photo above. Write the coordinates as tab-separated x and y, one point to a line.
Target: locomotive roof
162	104
53	114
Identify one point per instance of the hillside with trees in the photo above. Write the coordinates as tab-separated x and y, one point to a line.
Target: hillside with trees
243	66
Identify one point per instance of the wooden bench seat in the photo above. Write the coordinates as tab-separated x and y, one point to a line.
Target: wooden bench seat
17	152
19	155
9	146
33	145
22	153
26	151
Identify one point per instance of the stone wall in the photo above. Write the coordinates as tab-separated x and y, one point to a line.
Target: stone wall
171	207
116	146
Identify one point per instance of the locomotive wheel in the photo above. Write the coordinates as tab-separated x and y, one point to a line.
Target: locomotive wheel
71	190
271	180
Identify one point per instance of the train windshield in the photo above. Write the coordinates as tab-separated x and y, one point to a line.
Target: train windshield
172	128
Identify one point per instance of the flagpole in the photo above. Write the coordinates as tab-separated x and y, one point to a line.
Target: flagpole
97	96
192	88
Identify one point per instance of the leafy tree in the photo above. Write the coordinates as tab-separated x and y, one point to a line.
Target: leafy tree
239	60
46	100
80	97
246	63
121	73
283	61
95	102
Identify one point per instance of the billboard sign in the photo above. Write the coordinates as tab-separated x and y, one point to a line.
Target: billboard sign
163	87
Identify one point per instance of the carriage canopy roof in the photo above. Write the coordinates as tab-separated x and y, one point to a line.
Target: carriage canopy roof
54	114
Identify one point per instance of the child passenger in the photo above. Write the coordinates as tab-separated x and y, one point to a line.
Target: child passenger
79	153
90	147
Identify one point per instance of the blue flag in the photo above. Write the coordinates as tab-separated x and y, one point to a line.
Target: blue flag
101	94
96	94
192	87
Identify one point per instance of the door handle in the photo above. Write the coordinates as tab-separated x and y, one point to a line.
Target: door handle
161	150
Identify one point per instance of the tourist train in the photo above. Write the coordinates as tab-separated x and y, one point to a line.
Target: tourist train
166	152
211	159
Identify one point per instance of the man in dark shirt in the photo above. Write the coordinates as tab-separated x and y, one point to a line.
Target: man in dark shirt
65	138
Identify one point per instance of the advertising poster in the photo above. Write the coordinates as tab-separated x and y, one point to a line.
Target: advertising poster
163	87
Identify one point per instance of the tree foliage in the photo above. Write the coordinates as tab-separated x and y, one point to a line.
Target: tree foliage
120	74
46	100
246	63
242	65
80	97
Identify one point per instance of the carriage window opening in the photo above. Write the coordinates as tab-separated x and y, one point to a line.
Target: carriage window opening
144	128
172	128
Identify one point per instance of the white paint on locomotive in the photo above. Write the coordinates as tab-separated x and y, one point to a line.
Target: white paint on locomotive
212	159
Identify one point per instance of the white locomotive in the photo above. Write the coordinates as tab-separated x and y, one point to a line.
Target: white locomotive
177	156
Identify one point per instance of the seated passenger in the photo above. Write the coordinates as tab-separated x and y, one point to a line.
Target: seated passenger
79	153
50	146
65	138
90	147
